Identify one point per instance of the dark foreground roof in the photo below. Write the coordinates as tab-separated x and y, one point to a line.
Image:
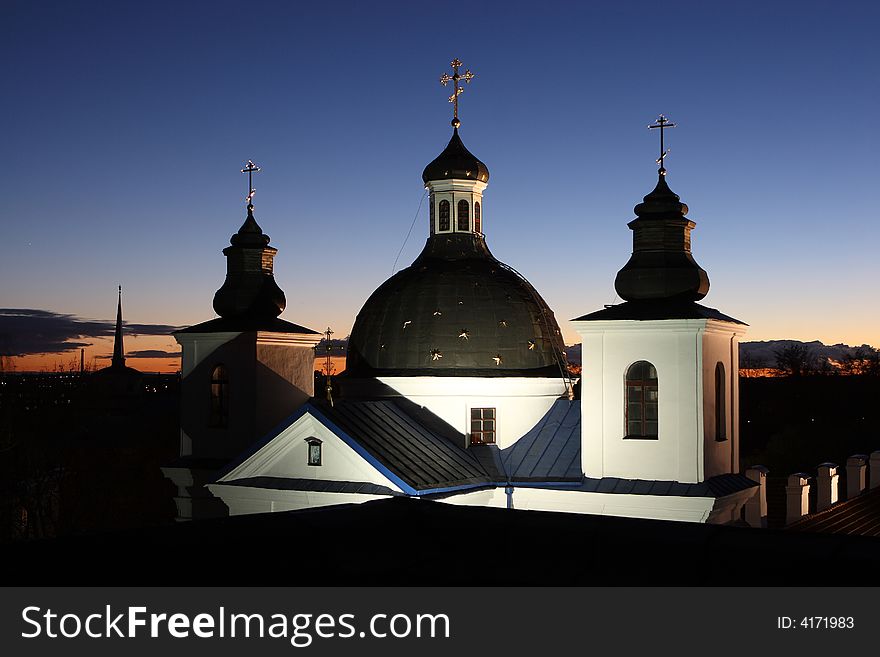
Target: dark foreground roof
859	516
412	542
647	310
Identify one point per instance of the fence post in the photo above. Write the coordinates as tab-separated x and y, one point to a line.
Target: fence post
856	469
827	486
797	497
756	507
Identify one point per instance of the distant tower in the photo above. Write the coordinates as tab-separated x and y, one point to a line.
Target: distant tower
660	394
243	372
118	361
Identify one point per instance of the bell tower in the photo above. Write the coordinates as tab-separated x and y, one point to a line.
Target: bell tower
243	372
660	391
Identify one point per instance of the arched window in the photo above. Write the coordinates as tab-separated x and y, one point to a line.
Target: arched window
219	416
431	229
720	403
641	400
464	215
444	216
314	451
478	219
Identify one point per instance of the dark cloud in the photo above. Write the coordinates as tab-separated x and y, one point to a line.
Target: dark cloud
25	331
153	353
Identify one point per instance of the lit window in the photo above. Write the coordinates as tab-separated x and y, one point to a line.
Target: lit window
478	219
219	416
464	215
720	404
641	400
314	451
482	426
444	216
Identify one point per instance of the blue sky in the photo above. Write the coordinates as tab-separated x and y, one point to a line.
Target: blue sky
124	126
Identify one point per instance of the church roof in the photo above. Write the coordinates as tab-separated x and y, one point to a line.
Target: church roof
456	311
551	450
456	161
245	323
662	309
413	444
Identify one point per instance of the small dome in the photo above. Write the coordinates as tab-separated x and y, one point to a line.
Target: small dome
456	161
456	311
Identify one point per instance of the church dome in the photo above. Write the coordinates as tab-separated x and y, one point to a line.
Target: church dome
456	311
456	161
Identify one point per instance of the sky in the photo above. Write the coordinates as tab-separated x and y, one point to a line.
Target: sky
125	124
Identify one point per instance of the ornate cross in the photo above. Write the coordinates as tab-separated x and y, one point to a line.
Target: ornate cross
250	169
662	123
456	90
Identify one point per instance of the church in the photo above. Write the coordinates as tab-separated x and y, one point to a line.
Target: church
456	387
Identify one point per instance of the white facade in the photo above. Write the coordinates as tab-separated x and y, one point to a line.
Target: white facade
519	402
685	353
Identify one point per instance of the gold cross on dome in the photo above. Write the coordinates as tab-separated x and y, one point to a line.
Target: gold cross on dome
250	169
662	123
456	90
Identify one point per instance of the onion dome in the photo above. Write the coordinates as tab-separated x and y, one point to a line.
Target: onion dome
250	291
456	161
661	266
456	311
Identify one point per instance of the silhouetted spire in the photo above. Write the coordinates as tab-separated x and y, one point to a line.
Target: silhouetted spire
661	267
250	290
118	361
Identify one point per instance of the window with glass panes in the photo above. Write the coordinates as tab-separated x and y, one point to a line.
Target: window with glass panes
444	216
478	219
641	400
464	215
483	426
219	411
314	451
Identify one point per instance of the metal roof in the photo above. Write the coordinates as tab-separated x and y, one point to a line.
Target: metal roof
718	486
858	516
456	311
551	450
407	440
647	310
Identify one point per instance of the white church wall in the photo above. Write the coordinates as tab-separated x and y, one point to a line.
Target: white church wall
721	345
519	401
674	348
286	456
685	509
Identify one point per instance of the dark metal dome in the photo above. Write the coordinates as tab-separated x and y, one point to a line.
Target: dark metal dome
456	161
456	311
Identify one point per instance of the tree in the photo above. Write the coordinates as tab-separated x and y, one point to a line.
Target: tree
796	360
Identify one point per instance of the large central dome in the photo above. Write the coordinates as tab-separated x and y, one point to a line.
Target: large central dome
457	310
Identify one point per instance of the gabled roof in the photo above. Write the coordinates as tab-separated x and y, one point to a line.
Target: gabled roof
416	446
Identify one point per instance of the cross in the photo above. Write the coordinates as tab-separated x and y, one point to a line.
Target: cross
250	169
662	123
454	78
